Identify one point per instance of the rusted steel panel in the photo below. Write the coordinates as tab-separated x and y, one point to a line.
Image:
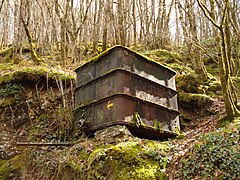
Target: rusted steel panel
120	57
120	81
123	109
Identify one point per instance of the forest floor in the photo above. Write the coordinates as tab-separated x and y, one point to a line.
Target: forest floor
201	123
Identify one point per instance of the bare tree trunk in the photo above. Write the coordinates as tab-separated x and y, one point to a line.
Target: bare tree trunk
97	22
1	6
121	27
183	23
26	28
177	34
228	89
197	61
134	22
63	32
105	25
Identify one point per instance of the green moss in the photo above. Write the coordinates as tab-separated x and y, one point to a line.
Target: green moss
213	69
2	162
181	136
96	159
236	82
189	83
6	67
34	73
155	145
164	55
192	83
214	86
7	54
190	100
138	159
157	125
42	117
137	120
169	53
129	160
6	102
12	168
180	68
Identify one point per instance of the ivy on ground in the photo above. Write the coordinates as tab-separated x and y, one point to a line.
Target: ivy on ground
216	155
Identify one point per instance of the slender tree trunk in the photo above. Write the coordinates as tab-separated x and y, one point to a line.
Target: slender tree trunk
105	25
27	31
228	89
121	27
134	22
196	59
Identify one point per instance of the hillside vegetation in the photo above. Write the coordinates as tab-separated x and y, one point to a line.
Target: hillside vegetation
36	102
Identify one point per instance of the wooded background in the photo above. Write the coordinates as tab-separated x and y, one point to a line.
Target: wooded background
80	29
77	27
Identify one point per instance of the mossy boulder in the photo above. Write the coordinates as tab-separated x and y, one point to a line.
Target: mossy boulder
12	168
129	160
192	83
181	69
184	119
104	157
214	86
164	55
189	83
190	100
34	73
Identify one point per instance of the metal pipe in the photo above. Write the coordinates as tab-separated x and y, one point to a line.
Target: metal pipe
42	144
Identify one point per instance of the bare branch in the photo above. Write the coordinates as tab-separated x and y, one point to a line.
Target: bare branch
206	13
224	15
1	6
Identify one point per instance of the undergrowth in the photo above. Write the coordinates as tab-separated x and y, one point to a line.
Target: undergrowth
11	90
216	155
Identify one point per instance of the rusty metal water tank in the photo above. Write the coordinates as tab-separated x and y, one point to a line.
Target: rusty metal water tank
122	87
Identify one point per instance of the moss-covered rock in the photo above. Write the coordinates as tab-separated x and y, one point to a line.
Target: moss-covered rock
34	74
104	157
12	168
164	55
184	119
190	100
214	86
129	160
179	68
189	83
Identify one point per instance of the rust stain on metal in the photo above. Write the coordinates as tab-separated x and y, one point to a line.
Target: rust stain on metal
122	84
